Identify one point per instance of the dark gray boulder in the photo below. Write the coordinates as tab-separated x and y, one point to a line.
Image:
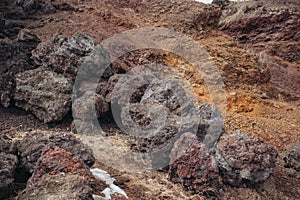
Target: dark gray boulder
244	159
291	156
43	92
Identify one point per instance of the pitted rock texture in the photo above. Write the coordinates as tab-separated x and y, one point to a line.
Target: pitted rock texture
55	160
193	166
156	111
43	92
64	55
7	145
244	159
8	164
32	146
15	58
58	175
58	186
291	156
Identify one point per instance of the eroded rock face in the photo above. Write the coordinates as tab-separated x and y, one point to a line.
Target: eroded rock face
8	164
193	166
244	159
32	146
56	160
70	186
58	175
64	55
291	156
43	92
15	58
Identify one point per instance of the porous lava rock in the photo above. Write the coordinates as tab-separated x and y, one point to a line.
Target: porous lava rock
32	146
15	58
291	156
8	164
244	159
193	166
64	55
7	145
58	175
43	92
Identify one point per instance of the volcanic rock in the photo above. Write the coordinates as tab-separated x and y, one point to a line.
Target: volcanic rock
291	156
32	146
244	159
8	164
58	175
64	55
15	58
58	186
86	110
7	145
43	92
193	166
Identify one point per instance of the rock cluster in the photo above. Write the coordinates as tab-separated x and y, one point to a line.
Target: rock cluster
46	91
238	158
55	159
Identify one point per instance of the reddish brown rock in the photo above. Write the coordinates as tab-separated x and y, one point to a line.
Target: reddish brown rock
193	166
244	159
58	175
31	148
57	161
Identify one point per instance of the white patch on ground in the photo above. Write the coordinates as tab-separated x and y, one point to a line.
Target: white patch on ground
112	189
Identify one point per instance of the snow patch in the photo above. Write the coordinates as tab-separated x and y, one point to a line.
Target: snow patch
112	189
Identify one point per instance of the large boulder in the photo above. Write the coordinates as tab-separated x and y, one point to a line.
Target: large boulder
193	166
32	146
43	92
15	58
291	156
58	175
64	55
244	159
